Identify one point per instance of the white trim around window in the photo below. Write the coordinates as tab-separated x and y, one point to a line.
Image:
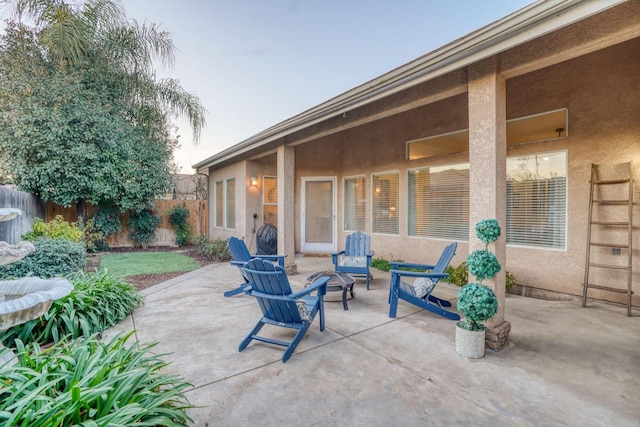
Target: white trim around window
225	204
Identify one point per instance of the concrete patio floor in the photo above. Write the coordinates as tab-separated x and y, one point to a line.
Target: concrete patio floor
565	365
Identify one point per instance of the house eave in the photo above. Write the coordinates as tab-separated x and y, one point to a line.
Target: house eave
524	25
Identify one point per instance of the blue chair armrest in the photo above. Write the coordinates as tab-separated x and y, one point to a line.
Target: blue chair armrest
237	263
418	274
240	289
398	265
320	284
279	258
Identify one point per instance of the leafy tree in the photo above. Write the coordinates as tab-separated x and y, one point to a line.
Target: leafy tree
82	116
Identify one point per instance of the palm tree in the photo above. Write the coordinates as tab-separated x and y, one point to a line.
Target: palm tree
96	33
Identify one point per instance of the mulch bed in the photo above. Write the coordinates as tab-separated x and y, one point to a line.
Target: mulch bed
144	281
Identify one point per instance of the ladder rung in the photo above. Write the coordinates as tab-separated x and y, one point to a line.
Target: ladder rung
616	267
612	181
608	288
609	245
610	223
612	202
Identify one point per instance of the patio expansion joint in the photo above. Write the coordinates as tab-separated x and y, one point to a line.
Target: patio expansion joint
238	374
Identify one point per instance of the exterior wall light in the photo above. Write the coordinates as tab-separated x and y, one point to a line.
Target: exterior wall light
254	181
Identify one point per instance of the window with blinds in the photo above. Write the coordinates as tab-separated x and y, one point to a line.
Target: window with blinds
537	200
230	202
439	202
354	204
385	203
219	189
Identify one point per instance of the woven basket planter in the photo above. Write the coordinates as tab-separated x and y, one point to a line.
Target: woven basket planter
470	343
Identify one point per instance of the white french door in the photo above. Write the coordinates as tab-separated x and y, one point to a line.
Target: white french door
318	212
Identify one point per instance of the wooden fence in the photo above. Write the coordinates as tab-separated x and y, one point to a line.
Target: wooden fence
31	207
165	234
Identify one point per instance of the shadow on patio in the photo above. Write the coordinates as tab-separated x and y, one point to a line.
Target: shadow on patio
565	365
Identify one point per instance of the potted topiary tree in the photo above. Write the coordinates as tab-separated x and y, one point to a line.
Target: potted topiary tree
477	302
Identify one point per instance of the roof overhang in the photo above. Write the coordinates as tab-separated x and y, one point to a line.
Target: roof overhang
526	24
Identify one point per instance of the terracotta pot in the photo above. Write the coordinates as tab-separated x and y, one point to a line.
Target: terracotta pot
470	343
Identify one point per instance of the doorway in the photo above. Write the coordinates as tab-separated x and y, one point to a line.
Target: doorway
318	214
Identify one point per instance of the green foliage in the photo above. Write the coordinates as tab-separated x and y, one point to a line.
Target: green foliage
97	302
92	383
51	258
178	219
457	275
178	215
107	220
94	239
483	264
135	263
381	264
488	230
82	115
55	229
478	303
216	251
510	280
142	226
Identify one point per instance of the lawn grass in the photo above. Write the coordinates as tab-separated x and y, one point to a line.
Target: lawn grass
136	263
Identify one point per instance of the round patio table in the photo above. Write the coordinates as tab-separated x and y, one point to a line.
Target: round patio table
338	282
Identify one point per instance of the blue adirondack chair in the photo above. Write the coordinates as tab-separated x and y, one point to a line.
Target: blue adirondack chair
421	295
355	259
241	255
269	284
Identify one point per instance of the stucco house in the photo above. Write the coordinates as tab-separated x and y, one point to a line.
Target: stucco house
503	123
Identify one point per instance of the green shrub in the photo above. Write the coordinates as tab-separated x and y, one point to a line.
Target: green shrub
457	275
51	258
178	215
107	220
381	264
216	251
510	280
56	229
92	383
97	302
94	239
143	227
178	219
460	276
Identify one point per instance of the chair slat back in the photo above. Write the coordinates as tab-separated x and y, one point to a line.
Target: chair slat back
445	258
267	278
357	244
238	249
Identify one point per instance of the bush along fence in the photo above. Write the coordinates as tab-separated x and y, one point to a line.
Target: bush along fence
121	234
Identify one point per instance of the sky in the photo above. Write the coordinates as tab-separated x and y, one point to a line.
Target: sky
256	63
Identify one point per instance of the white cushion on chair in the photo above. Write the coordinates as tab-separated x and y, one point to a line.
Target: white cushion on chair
353	261
422	286
302	309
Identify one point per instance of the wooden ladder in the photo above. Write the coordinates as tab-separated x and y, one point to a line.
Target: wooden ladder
618	194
